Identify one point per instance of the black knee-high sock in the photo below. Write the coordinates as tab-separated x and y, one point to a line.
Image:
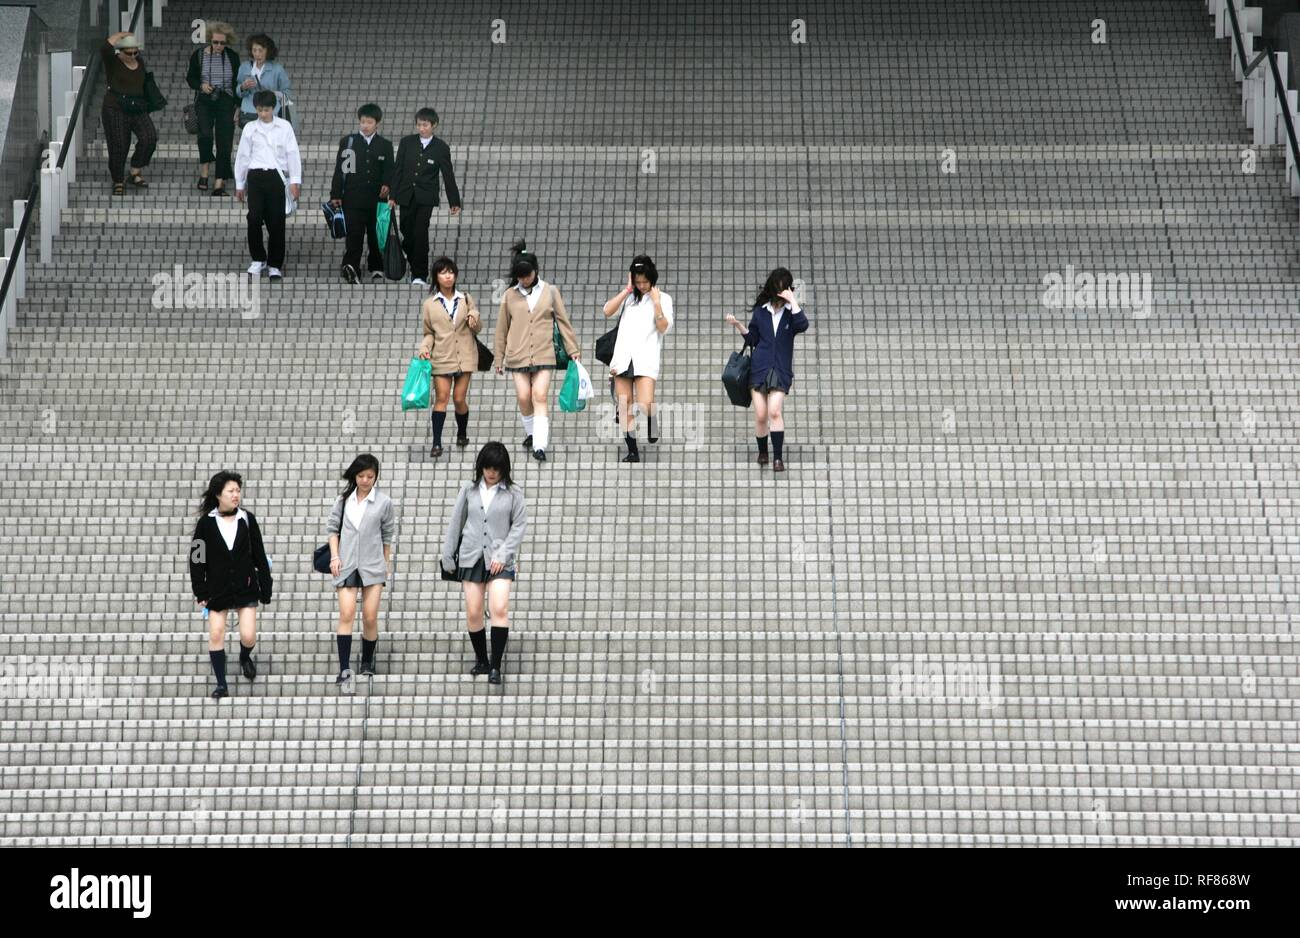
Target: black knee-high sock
499	636
479	641
650	429
762	445
345	651
462	424
218	659
631	442
778	439
439	418
246	651
368	649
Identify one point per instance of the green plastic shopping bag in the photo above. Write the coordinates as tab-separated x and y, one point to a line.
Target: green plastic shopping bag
576	389
415	393
382	215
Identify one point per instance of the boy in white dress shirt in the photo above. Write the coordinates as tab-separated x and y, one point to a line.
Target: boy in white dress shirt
266	165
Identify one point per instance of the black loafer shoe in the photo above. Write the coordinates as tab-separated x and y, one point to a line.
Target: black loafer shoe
367	668
219	692
778	466
632	457
762	459
539	455
528	441
480	667
249	667
462	441
494	676
435	451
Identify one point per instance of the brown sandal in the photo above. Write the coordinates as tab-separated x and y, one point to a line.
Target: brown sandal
138	181
119	189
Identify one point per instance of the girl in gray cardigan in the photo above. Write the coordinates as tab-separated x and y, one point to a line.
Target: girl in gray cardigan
361	529
482	541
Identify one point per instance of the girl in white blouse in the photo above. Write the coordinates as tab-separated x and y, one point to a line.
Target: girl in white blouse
645	314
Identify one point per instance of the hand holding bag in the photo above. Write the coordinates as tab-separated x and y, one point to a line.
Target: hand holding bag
735	377
415	392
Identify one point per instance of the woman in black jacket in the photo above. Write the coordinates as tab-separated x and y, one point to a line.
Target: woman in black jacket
211	74
229	570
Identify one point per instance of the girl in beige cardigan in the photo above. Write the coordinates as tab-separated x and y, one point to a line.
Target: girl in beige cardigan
529	313
451	323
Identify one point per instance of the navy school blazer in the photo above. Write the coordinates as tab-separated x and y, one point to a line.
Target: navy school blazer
773	351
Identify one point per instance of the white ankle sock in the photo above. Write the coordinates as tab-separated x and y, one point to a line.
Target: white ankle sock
528	424
541	432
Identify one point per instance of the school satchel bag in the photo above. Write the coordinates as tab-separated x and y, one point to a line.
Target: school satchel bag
735	377
485	356
320	557
605	346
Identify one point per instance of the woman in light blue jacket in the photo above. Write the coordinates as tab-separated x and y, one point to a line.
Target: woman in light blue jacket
479	549
260	72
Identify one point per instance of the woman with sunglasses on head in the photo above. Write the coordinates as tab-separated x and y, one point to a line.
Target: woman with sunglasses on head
361	529
530	312
644	314
229	570
212	76
774	322
482	541
451	323
122	114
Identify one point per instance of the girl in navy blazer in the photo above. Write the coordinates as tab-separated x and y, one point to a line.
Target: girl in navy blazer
775	321
229	570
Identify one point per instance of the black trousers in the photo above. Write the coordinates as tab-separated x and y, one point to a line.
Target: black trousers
216	118
361	224
413	220
265	196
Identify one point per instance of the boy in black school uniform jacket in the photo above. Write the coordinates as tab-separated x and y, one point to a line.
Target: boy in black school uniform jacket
421	157
358	192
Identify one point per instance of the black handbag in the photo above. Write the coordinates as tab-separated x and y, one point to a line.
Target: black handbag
485	356
191	118
320	558
605	345
735	377
394	258
153	96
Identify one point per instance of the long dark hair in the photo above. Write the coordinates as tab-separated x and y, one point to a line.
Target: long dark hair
643	265
522	261
215	485
493	455
359	465
778	280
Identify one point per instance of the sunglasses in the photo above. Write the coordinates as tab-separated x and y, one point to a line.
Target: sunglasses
130	52
218	42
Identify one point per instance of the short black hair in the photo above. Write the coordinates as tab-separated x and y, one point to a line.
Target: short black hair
370	110
441	264
266	42
427	114
264	98
493	455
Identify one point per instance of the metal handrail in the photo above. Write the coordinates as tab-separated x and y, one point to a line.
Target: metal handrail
1279	87
33	194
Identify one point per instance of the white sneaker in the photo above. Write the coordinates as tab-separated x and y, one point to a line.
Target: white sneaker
274	273
256	267
417	282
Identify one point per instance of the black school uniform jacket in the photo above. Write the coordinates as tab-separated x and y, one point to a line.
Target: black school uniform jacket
416	178
373	169
229	572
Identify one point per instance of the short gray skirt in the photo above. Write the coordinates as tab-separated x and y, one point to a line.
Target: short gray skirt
529	369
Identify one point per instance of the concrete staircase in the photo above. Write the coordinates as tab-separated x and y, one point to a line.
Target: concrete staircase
1033	575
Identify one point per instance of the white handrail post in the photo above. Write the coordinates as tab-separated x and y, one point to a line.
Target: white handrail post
49	212
9	304
69	139
157	13
56	148
20	275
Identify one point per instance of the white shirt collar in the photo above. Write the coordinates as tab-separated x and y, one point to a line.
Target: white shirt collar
425	141
455	295
368	498
482	484
216	513
371	137
527	291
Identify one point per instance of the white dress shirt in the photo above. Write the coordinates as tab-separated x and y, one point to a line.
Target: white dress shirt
777	313
533	295
229	527
268	145
639	343
487	492
425	141
450	305
357	509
